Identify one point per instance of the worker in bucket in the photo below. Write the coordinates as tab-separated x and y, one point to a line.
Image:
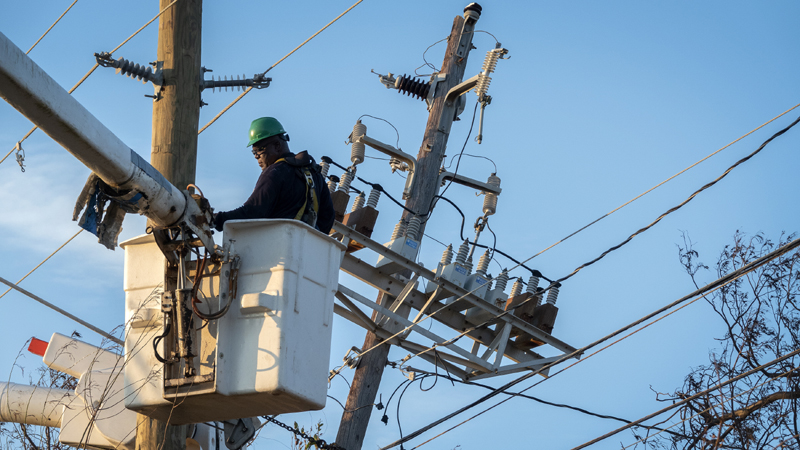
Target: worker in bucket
290	186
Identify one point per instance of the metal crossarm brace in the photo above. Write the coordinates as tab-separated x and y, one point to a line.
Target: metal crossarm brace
483	365
463	295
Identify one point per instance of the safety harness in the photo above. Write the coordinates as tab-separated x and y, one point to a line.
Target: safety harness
309	210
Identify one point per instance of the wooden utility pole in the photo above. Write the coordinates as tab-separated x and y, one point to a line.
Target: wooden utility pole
175	120
367	378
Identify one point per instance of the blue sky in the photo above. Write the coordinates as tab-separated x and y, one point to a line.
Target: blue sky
599	102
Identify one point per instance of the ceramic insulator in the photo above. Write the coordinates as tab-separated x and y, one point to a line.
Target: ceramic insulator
468	264
323	168
552	295
490	200
463	250
502	280
538	300
489	64
332	185
483	263
533	283
516	288
358	203
344	184
447	256
399	229
357	150
374	196
413	230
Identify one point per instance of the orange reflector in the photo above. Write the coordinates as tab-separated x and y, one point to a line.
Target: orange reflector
37	347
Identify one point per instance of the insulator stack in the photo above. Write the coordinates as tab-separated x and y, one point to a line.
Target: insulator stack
516	288
552	295
358	203
332	183
538	300
413	229
502	280
489	199
447	256
344	184
463	250
374	196
140	72
412	86
488	283
533	283
489	64
468	264
483	263
357	149
399	229
324	166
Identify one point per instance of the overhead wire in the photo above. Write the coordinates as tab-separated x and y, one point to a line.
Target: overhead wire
91	71
703	291
62	312
692	397
43	261
664	182
246	91
390	124
51	26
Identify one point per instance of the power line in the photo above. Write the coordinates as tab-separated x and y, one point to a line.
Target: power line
96	65
246	91
61	311
692	397
51	27
705	290
680	205
43	261
664	182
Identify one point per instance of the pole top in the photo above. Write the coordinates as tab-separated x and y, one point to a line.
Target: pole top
473	7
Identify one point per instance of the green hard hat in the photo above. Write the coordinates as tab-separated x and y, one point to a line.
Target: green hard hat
263	128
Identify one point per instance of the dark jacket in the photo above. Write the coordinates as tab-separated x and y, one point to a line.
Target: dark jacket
280	193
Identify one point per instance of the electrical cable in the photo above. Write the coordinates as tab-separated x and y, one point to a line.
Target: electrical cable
91	71
435	69
375	186
62	312
680	205
51	27
474	156
692	397
390	124
665	181
705	290
43	261
246	91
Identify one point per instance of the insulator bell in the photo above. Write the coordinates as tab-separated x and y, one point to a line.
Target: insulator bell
372	200
399	229
489	199
412	86
324	166
516	288
463	250
344	184
357	150
413	230
483	263
358	203
447	256
533	283
553	294
502	280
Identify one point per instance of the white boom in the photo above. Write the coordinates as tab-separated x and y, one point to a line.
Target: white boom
29	89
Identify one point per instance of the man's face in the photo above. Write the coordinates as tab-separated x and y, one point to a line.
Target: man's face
263	153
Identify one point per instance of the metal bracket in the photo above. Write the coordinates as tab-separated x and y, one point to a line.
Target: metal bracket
20	156
436	78
466	181
461	89
238	432
396	153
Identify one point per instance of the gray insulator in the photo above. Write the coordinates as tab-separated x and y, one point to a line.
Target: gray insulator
489	64
468	265
133	70
323	168
552	295
447	256
357	150
358	203
490	200
344	184
516	288
372	200
489	284
483	263
463	250
413	230
538	299
332	186
399	229
533	283
502	280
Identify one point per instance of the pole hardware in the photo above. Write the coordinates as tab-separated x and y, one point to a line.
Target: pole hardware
411	86
259	81
140	72
20	155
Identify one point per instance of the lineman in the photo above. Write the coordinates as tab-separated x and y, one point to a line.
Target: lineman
290	186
